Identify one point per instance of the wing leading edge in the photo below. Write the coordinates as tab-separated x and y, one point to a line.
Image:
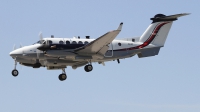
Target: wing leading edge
100	45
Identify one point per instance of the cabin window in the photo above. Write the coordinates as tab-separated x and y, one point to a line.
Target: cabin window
61	42
80	42
86	42
133	40
119	44
67	42
74	42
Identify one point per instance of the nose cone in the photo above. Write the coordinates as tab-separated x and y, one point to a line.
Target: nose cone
16	52
11	53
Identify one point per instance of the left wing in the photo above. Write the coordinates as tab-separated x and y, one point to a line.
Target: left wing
100	45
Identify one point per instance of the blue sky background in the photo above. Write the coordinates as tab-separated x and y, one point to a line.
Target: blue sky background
169	82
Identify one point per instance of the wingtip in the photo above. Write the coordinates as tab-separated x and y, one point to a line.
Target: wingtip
185	14
120	26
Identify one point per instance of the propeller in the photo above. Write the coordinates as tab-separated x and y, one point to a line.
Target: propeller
45	61
103	63
38	51
43	47
37	63
14	47
20	46
41	37
118	61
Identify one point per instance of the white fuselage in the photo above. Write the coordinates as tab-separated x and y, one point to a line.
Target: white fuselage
28	54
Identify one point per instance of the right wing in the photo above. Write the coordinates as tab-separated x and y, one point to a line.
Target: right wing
100	45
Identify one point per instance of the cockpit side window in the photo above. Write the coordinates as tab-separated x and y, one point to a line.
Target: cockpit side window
39	42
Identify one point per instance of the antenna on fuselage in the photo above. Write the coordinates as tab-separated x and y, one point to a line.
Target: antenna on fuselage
87	37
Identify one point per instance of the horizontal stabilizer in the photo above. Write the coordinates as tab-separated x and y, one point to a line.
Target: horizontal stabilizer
149	52
162	17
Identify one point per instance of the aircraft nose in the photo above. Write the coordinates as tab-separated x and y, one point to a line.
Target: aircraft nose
11	53
15	53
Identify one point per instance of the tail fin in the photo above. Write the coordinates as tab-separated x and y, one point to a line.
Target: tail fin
157	32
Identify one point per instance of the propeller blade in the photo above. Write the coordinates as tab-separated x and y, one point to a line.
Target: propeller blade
103	63
45	62
14	47
38	53
20	46
41	37
118	61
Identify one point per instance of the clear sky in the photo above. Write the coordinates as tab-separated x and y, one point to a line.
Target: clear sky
169	82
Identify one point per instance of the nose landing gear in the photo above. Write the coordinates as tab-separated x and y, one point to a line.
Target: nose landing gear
15	71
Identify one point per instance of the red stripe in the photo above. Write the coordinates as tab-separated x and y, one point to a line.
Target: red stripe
148	41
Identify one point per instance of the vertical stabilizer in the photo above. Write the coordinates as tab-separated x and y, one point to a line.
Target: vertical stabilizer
156	34
158	30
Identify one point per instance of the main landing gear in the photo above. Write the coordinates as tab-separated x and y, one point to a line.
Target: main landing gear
15	71
88	68
62	76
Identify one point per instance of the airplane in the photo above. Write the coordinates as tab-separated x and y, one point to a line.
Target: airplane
58	53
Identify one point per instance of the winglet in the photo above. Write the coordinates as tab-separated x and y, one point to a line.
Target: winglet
120	26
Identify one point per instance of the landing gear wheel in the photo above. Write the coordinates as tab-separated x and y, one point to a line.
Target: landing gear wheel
88	68
15	73
62	77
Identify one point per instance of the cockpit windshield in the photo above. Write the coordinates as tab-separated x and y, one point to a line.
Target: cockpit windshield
39	42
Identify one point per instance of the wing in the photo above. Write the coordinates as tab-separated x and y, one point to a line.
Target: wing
100	45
